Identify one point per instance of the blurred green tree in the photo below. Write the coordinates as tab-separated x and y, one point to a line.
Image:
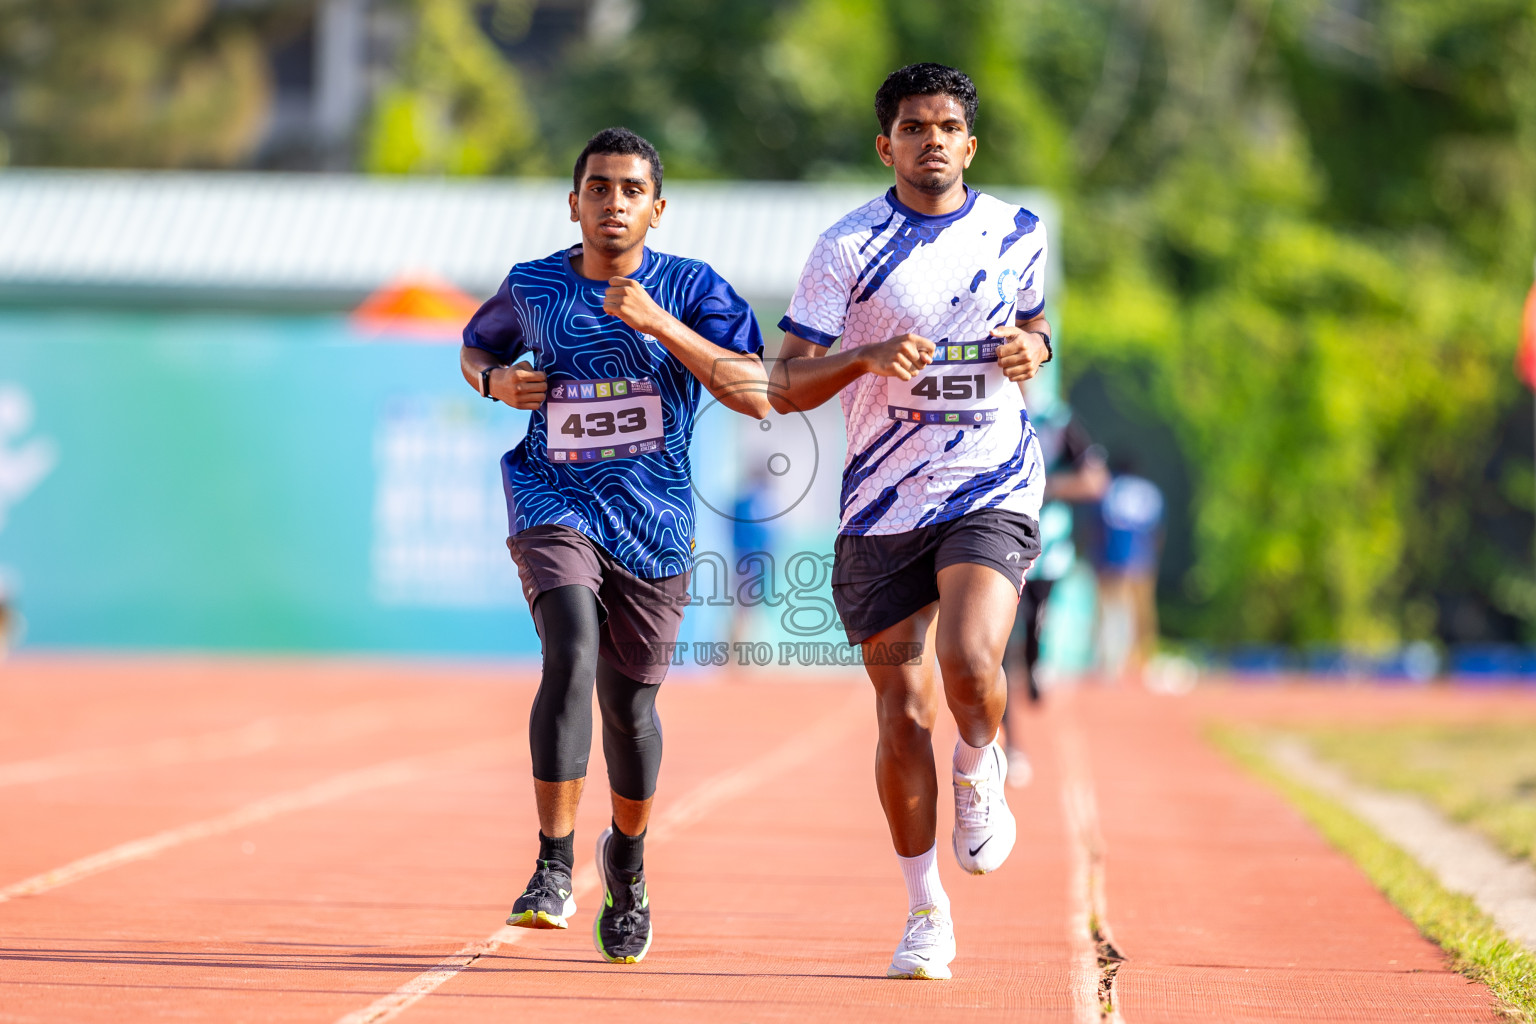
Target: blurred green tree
1313	239
457	106
147	83
777	89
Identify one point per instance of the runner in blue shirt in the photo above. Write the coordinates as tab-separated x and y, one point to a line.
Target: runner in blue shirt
599	503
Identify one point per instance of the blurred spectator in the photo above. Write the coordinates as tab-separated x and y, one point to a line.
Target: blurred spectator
750	535
9	622
1131	516
1074	472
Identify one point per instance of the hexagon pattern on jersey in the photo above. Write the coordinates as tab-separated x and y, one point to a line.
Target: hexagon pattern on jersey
884	270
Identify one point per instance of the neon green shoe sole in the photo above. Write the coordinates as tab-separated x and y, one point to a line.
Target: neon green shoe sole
537	919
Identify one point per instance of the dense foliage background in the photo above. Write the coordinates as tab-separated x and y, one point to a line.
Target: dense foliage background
1296	232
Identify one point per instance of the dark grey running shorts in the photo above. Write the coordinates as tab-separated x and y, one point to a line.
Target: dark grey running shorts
640	617
879	580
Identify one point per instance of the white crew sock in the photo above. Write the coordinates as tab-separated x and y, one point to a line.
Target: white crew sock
921	874
968	758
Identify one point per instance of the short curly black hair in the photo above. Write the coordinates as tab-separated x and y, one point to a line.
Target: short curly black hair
926	79
617	142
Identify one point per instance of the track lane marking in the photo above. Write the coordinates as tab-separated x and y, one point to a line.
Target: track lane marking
337	787
688	810
1088	923
242	741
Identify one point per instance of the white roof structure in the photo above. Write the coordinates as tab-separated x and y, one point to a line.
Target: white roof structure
331	239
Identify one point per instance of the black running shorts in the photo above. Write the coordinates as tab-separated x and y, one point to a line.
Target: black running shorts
879	580
640	617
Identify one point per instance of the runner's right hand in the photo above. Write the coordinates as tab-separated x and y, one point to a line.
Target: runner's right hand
903	356
518	386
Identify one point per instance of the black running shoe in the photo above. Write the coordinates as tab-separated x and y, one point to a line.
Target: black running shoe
622	930
548	900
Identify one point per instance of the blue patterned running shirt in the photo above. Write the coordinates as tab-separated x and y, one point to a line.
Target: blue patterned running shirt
611	470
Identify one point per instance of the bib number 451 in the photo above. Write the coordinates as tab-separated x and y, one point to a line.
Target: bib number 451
960	388
601	424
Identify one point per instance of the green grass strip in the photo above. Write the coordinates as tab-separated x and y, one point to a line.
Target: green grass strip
1480	774
1477	948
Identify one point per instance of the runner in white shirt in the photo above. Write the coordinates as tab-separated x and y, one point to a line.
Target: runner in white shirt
937	294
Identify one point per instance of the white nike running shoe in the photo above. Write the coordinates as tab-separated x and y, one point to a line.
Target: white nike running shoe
926	948
984	826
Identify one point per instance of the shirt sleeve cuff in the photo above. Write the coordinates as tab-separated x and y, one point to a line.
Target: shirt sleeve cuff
810	334
1024	316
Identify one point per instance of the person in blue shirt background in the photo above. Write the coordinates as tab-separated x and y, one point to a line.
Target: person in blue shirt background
1075	473
1131	537
752	515
599	503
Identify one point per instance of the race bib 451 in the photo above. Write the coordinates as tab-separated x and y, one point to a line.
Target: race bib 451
961	386
595	420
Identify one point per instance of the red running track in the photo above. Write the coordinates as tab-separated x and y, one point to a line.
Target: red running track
319	841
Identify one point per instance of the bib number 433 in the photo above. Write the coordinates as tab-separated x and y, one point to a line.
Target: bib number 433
604	423
596	420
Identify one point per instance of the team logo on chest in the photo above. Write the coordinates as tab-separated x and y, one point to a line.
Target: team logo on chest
1007	284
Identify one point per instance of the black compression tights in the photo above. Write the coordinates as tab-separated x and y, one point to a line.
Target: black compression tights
560	725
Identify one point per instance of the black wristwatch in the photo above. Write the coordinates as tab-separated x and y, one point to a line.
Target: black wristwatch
1050	353
485	382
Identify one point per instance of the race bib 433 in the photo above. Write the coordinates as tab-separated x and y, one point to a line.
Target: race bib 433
961	386
594	420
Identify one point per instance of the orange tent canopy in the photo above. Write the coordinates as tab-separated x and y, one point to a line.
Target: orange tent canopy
416	306
1525	357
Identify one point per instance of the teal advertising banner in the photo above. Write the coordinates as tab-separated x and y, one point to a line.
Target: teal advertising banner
250	482
267	482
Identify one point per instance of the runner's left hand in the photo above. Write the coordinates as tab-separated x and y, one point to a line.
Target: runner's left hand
628	300
1021	354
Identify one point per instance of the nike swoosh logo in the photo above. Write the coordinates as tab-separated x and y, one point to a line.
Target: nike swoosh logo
984	842
919	956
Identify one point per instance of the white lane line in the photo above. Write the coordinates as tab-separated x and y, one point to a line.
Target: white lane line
1088	919
337	787
1465	862
691	808
252	738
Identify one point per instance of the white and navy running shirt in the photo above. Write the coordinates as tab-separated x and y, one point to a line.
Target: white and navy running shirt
957	439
